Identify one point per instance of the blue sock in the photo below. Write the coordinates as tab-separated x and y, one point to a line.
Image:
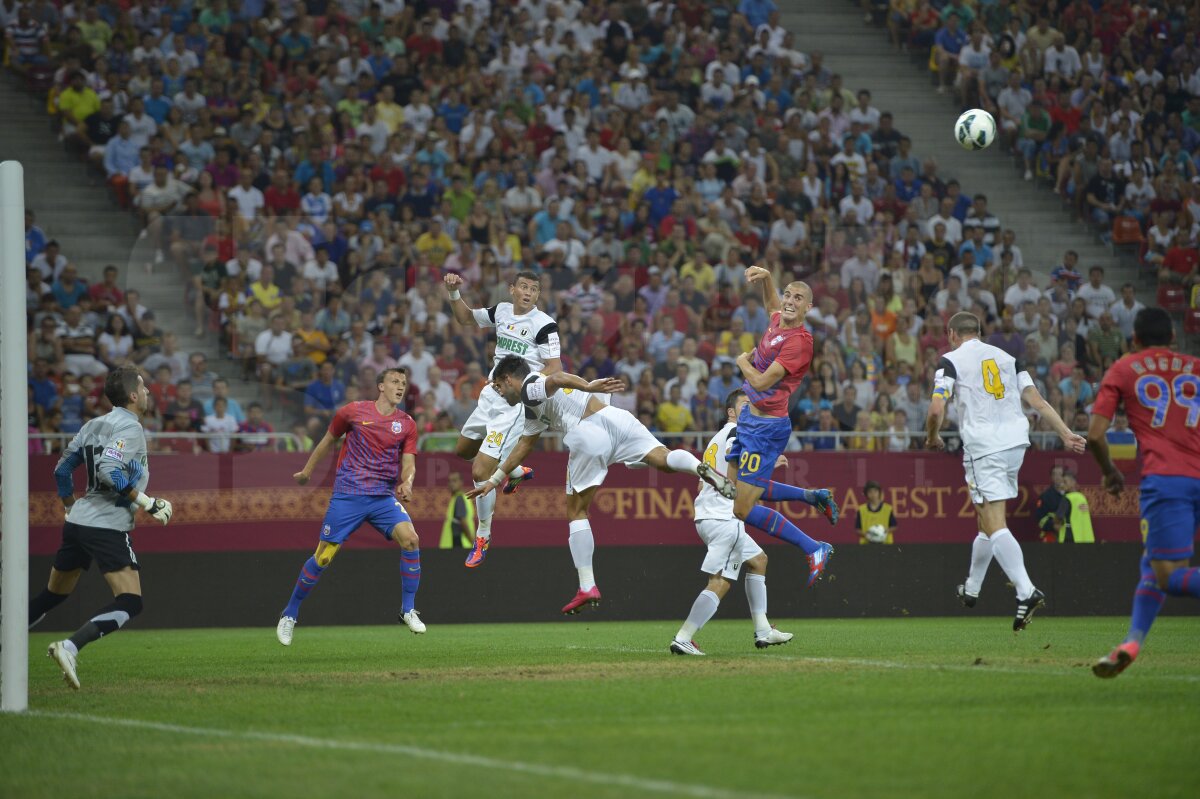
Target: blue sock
410	578
1184	582
782	492
305	583
773	524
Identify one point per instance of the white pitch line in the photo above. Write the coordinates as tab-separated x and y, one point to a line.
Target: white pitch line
627	781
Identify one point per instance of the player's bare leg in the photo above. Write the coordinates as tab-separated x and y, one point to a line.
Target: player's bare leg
1007	553
1160	578
482	468
405	535
126	586
583	546
58	588
680	460
747	508
310	573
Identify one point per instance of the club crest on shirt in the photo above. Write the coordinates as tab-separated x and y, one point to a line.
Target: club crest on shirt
397	427
119	443
776	340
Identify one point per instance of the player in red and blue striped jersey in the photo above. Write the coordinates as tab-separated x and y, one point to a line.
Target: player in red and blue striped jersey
772	372
1161	392
375	471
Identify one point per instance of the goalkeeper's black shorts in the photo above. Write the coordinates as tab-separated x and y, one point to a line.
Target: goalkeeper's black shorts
112	550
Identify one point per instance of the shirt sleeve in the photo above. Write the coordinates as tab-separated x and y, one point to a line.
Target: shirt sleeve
944	378
533	425
728	455
1109	394
547	342
114	466
484	317
341	422
795	354
411	439
533	391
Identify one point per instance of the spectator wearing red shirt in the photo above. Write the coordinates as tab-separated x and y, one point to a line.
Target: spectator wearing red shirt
1066	114
422	44
107	294
1180	264
281	197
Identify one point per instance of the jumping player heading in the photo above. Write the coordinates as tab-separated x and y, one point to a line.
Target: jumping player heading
772	372
493	428
1161	391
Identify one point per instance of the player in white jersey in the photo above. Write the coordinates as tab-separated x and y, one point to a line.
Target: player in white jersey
492	430
112	448
987	385
597	436
729	547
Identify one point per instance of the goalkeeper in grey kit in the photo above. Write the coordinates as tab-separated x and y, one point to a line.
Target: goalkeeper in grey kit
112	450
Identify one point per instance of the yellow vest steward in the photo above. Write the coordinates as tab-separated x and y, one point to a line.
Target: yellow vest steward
1080	521
447	541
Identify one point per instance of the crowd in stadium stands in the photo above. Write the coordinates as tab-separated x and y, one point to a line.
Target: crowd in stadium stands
315	168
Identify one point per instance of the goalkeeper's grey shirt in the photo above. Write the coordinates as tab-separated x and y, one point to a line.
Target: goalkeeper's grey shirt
112	450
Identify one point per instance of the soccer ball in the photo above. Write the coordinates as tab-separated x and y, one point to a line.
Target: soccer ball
876	534
975	129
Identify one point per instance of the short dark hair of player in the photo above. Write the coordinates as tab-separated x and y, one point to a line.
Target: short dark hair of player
510	366
391	369
1152	328
964	323
120	384
872	484
525	273
731	399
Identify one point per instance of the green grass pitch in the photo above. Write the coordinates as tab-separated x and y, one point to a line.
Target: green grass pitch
586	708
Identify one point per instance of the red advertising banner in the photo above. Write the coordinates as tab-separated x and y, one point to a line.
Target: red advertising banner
250	502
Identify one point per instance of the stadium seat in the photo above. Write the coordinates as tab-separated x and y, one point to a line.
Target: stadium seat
1126	230
1191	322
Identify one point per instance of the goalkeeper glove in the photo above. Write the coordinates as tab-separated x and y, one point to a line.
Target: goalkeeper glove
160	509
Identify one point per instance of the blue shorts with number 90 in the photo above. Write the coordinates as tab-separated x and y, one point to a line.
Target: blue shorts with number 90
759	442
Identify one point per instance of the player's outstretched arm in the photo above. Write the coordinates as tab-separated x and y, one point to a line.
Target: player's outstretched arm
760	381
318	454
933	423
1072	440
607	385
1097	442
458	306
519	453
771	300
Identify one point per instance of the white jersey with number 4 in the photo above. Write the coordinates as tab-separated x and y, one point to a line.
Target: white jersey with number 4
984	383
533	336
709	503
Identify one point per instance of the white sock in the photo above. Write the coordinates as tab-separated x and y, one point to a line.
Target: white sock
519	471
702	610
1008	554
981	558
756	595
69	645
485	506
582	547
682	461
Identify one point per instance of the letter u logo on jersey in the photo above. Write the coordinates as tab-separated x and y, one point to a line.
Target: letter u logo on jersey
397	427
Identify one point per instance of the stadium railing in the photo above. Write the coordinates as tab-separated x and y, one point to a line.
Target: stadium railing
250	438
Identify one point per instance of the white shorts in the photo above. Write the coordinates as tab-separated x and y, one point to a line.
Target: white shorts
993	478
728	546
496	423
609	436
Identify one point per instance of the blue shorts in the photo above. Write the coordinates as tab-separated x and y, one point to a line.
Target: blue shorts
1170	515
759	442
347	512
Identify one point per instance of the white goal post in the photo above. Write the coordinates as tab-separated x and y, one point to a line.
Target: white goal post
14	467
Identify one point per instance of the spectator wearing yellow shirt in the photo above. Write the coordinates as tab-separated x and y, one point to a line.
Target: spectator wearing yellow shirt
387	110
673	415
75	104
434	243
94	30
461	198
316	343
701	271
264	289
737	333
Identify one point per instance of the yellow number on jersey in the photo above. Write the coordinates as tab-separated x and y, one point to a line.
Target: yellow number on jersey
710	456
567	390
992	383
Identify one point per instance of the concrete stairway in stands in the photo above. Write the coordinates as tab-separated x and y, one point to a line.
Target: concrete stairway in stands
864	57
73	206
